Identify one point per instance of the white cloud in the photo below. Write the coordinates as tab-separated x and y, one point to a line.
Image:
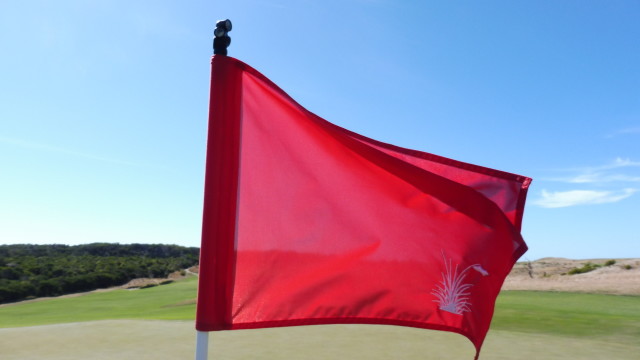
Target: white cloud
581	197
619	170
601	178
634	130
626	131
620	163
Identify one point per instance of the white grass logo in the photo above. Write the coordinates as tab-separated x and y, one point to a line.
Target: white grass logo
452	292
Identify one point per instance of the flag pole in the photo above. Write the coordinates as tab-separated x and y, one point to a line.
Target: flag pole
221	41
202	345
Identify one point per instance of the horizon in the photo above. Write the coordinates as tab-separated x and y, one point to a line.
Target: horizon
523	259
104	118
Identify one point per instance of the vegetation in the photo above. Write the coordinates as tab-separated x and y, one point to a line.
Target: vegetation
609	263
590	267
584	269
28	271
594	316
526	325
175	301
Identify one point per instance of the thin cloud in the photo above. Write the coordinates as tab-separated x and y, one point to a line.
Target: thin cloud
619	170
560	199
613	182
622	163
601	178
626	131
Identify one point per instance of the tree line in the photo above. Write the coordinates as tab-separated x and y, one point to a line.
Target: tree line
29	271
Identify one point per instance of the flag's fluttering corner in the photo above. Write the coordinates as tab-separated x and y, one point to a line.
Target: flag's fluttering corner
308	223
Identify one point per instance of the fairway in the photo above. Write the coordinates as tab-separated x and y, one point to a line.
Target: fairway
175	301
170	340
592	316
134	324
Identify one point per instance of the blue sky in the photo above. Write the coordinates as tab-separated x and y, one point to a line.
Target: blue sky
103	106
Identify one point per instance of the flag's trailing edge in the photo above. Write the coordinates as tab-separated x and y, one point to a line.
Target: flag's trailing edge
308	223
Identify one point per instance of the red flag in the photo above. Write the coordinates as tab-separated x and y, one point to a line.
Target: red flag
308	223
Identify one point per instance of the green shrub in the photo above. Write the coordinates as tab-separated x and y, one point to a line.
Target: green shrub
609	262
584	269
52	270
627	267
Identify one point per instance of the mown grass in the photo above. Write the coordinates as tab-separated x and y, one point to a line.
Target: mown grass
606	317
175	301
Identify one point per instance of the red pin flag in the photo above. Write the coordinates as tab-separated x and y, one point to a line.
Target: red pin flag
308	223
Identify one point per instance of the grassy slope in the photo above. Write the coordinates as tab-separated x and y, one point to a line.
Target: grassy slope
174	301
569	314
605	317
552	326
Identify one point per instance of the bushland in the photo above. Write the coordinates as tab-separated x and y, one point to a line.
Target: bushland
29	271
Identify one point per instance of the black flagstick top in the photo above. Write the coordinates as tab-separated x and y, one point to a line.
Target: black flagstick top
221	40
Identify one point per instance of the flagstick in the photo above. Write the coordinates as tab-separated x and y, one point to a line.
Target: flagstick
221	41
202	345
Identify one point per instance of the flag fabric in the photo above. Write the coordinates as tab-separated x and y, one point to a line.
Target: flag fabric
308	223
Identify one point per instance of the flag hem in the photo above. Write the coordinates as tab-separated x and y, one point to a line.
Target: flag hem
339	321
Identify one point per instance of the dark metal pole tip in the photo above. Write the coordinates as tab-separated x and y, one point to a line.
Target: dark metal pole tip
221	40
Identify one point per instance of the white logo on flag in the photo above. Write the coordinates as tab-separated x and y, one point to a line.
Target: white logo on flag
452	293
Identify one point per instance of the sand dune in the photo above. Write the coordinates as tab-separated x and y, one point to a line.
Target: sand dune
621	278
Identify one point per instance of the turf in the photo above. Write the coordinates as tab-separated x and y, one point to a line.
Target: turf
526	324
590	316
170	340
606	317
175	301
